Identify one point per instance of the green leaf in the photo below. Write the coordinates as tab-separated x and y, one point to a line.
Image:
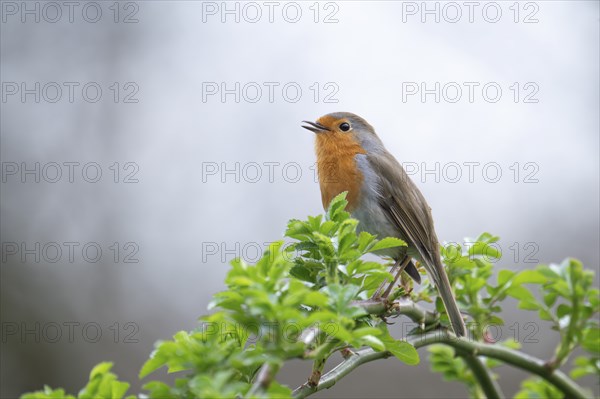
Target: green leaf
373	342
537	388
520	293
404	352
549	272
529	305
301	272
346	242
511	343
276	390
328	228
504	276
487	238
118	389
336	208
297	229
485	250
591	340
364	240
563	310
103	384
340	297
100	369
315	298
544	315
240	281
48	393
585	366
156	361
443	360
529	277
365	267
550	299
388	242
452	253
594	297
362	331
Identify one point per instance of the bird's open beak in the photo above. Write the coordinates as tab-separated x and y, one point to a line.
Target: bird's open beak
315	127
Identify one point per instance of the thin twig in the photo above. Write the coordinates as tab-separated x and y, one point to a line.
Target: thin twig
262	381
340	371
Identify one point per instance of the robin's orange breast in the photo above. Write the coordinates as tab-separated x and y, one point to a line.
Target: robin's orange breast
337	167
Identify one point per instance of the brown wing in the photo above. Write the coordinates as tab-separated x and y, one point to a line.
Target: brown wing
407	208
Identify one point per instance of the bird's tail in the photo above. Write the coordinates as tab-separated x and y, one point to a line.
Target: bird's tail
445	290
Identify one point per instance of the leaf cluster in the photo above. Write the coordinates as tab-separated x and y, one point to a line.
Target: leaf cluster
565	299
300	301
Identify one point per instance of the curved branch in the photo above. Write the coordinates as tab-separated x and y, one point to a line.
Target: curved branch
262	381
340	371
509	356
402	306
487	383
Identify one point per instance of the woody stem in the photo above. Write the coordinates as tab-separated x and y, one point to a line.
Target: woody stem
464	347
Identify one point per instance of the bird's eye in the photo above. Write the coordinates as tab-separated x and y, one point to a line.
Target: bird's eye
344	127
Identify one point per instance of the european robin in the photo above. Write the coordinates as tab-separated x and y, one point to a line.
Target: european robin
382	197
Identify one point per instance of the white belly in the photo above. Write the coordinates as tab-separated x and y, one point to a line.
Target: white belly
370	215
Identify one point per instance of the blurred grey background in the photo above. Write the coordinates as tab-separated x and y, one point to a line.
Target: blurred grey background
192	176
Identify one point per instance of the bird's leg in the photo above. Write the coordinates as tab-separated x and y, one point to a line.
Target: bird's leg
397	268
398	273
379	291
